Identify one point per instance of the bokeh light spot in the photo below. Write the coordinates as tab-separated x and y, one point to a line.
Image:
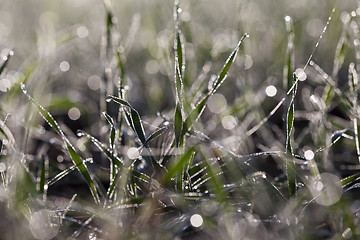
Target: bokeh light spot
82	32
196	220
133	153
309	155
326	189
74	113
217	103
94	82
64	66
271	91
44	224
229	122
152	67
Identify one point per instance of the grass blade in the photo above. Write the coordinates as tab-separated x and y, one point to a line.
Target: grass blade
178	125
73	154
134	117
290	164
223	74
117	161
353	82
178	166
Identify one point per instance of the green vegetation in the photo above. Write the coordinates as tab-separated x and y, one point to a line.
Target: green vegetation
191	121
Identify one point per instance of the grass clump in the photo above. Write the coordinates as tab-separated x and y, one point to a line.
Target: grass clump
216	159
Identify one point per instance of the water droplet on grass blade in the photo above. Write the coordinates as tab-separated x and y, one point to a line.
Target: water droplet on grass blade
287	18
300	74
108	99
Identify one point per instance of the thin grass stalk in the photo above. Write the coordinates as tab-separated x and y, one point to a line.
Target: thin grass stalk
353	82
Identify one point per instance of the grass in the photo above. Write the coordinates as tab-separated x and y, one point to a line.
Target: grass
191	148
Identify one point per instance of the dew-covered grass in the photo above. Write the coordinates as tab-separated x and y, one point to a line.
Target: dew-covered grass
179	120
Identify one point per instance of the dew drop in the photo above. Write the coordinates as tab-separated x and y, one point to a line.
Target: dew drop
287	18
79	133
108	99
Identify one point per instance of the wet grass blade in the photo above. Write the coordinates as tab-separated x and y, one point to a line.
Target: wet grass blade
213	177
156	134
83	170
223	74
350	180
112	130
353	82
178	125
73	154
290	55
43	171
134	117
289	164
199	108
178	167
116	160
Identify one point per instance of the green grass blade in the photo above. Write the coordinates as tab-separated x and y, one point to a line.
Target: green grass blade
83	170
73	154
289	164
178	166
138	126
350	180
353	82
112	130
43	171
134	117
223	74
178	125
116	160
45	114
156	134
290	54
